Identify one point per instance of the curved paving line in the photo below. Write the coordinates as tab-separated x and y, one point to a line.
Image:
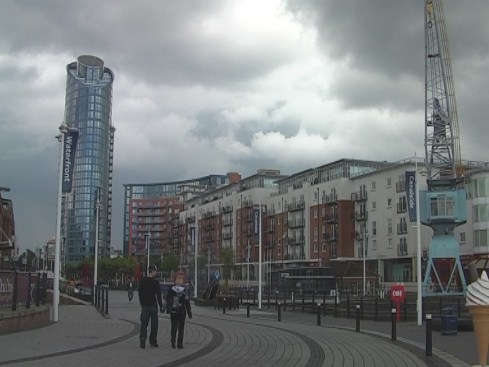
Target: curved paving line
432	361
317	356
134	332
216	341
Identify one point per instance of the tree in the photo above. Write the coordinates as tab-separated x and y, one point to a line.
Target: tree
170	263
227	259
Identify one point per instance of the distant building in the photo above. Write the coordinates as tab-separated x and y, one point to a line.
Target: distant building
7	227
88	108
335	218
150	209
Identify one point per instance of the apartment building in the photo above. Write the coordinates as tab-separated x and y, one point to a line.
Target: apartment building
343	216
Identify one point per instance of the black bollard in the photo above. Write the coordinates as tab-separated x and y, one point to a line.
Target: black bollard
394	320
357	317
248	310
319	315
223	306
429	343
335	306
279	312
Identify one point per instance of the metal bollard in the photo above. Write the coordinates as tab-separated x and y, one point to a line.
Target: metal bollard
223	306
335	306
394	320
279	312
319	315
248	310
357	317
429	344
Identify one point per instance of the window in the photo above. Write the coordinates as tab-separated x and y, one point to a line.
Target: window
389	181
389	243
374	245
373	185
389	226
374	228
462	237
442	206
374	205
389	202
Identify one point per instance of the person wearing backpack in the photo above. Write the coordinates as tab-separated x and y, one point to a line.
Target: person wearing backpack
178	306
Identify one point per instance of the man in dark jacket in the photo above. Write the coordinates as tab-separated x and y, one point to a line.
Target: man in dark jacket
178	306
149	295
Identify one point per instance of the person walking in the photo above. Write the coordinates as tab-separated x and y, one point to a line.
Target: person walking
130	290
178	306
149	298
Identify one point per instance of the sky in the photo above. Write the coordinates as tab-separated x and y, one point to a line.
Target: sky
218	86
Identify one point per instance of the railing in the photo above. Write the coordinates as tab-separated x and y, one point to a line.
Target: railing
19	289
376	307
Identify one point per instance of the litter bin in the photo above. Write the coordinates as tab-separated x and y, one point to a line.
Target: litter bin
449	321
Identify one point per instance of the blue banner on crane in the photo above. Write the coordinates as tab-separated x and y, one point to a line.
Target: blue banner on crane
411	194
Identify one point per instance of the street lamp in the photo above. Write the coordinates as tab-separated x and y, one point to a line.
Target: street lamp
365	241
196	229
97	215
419	303
317	243
147	237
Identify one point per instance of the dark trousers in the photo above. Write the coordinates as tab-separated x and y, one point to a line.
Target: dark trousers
147	313
177	324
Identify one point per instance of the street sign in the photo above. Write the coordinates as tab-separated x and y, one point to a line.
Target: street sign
398	293
284	275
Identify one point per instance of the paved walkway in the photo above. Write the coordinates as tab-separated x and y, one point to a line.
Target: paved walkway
82	337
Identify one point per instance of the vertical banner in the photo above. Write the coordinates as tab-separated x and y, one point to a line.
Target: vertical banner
256	223
69	148
411	194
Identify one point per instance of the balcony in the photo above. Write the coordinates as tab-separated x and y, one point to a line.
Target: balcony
330	199
331	217
400	186
295	206
361	216
402	249
401	228
359	196
401	208
296	223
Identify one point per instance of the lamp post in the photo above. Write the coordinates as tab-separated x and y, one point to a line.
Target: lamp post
147	237
283	232
365	240
63	129
196	245
418	249
259	257
95	266
319	259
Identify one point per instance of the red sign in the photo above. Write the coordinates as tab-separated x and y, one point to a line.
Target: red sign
398	293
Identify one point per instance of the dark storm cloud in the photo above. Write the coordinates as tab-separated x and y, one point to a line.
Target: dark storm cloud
382	41
220	85
155	41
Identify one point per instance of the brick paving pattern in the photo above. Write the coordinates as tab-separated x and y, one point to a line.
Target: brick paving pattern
83	337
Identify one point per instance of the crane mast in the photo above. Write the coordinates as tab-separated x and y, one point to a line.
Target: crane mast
443	205
442	138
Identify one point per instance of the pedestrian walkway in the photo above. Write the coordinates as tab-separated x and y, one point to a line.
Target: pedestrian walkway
82	337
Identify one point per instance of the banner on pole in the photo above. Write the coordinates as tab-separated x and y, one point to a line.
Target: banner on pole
411	194
256	223
69	149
